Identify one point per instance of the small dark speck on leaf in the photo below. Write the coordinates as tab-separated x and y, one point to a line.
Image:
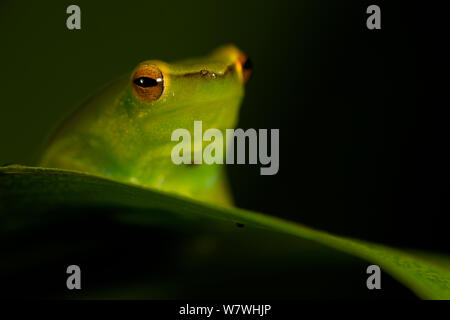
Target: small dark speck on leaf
240	225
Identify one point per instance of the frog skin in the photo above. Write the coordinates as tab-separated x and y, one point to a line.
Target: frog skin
124	131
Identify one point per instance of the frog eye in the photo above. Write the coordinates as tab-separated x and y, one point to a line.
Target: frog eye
246	67
148	83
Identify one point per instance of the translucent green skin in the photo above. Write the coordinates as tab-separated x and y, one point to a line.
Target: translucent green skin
116	135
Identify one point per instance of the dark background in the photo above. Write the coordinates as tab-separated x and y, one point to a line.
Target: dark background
362	127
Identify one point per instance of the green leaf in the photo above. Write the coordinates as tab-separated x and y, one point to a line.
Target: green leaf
30	196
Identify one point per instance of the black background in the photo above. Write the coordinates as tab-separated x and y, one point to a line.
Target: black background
364	134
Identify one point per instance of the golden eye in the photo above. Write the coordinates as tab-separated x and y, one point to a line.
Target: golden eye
245	66
148	83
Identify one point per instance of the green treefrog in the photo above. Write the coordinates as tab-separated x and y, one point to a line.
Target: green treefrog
124	131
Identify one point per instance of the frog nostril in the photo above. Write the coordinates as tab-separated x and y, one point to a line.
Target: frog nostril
208	74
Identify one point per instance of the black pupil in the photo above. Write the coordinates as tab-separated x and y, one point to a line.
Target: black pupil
248	65
145	82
